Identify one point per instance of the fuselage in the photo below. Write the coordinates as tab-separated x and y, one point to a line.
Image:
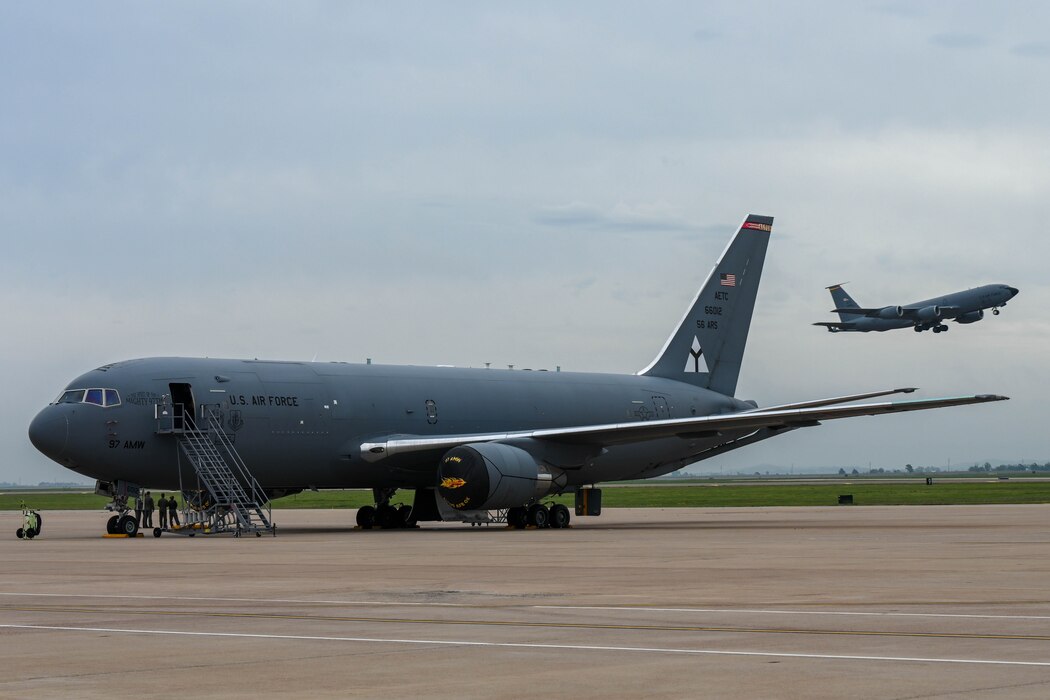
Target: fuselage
300	425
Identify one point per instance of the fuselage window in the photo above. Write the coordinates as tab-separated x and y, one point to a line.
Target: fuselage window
71	396
112	397
94	396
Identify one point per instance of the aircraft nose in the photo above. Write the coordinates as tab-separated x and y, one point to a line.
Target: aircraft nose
49	432
1013	291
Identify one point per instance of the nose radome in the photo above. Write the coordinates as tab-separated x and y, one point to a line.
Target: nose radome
49	432
1013	291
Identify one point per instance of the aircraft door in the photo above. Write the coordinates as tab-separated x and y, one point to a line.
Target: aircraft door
182	404
660	409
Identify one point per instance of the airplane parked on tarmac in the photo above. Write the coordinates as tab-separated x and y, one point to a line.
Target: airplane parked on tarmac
964	307
467	442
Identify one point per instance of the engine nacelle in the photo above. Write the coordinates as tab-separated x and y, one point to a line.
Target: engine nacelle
490	476
929	313
891	312
970	316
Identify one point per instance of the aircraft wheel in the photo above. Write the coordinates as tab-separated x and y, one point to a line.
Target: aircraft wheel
518	517
404	516
559	516
127	525
917	329
112	525
539	516
20	532
157	531
39	522
995	312
366	517
31	533
386	517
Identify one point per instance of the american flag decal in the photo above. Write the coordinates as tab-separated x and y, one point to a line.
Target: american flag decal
727	279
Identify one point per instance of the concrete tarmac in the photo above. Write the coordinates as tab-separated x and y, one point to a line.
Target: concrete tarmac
880	602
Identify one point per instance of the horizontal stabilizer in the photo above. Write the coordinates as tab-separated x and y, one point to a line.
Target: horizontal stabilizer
620	433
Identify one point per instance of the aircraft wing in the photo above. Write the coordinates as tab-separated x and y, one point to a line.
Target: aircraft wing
912	311
837	325
700	426
836	400
857	311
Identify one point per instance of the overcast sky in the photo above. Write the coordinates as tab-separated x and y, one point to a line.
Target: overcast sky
531	183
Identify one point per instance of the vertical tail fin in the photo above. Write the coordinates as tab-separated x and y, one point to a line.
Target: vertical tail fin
843	301
708	345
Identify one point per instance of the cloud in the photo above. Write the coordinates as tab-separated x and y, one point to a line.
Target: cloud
621	218
1033	49
958	41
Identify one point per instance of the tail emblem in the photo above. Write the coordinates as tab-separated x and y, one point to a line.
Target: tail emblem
696	362
450	482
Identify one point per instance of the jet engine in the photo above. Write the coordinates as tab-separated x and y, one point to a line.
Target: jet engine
970	316
929	313
490	476
891	312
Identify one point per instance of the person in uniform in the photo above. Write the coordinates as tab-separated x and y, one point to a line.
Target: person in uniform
138	510
173	512
162	509
147	511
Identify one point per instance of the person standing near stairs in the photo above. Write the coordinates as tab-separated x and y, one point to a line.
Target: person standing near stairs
138	510
147	512
173	512
162	509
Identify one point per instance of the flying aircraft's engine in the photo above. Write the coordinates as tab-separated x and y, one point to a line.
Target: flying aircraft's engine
891	312
491	475
970	316
929	313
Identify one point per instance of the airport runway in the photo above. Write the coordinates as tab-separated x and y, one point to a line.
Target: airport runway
886	602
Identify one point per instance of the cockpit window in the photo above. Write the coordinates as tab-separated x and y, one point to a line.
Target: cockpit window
71	396
98	397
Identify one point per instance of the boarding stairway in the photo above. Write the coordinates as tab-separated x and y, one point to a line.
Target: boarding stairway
229	499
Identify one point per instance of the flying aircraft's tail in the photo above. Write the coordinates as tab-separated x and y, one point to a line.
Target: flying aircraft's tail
707	346
844	301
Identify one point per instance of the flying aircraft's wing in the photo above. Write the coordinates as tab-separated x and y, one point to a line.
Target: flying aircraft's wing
700	426
912	311
857	311
836	325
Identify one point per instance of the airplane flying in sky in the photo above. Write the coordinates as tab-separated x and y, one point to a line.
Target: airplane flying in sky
466	442
964	307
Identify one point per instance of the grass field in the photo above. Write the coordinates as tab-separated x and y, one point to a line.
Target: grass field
707	495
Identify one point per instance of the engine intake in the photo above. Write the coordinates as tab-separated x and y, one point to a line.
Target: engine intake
929	313
491	475
891	312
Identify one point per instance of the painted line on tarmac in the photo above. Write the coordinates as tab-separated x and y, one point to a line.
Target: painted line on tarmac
520	623
789	612
495	604
529	645
212	599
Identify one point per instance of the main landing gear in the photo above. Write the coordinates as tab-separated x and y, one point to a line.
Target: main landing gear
939	328
122	525
538	516
383	514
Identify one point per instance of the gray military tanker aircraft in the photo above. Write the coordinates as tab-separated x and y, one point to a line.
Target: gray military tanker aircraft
466	441
964	307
